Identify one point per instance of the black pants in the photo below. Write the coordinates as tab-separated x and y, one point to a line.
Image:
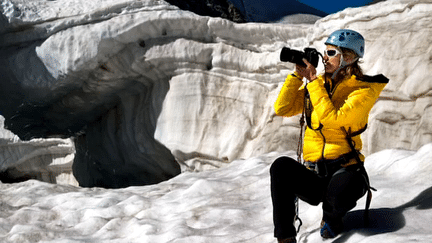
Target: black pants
338	192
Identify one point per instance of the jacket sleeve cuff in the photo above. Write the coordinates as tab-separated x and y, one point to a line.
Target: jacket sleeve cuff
297	75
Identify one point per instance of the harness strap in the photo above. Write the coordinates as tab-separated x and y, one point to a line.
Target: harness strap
349	137
350	134
368	202
326	167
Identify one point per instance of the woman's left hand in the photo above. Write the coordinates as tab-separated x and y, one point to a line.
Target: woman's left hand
309	72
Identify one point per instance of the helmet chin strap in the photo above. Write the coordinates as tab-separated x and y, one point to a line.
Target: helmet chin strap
342	64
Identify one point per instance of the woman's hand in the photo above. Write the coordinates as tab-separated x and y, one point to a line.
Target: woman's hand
309	72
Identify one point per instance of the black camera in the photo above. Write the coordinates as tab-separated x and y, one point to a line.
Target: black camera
294	56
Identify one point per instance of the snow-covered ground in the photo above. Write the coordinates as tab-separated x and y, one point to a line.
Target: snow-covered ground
230	204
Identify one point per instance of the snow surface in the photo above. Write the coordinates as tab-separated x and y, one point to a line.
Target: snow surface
231	204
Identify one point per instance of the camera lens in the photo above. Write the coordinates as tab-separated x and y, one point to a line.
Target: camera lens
293	56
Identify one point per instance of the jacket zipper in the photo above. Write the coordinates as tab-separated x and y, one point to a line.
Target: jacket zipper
330	93
333	90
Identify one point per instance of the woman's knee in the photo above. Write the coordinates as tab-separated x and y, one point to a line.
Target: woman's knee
345	189
281	165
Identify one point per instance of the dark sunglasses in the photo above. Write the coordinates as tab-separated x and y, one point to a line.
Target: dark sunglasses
332	53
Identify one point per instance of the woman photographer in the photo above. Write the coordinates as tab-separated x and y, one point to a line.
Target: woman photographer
336	105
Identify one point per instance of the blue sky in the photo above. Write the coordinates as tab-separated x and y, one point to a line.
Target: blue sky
332	6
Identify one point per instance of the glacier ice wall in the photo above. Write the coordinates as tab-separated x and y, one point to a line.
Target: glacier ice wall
140	84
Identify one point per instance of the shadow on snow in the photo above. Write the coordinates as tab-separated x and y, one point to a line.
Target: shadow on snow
382	220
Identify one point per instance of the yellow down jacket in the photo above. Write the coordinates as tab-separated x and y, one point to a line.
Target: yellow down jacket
346	105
